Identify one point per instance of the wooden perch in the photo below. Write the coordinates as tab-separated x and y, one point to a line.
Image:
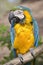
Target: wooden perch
27	57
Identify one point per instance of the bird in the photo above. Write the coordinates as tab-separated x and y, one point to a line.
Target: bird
24	31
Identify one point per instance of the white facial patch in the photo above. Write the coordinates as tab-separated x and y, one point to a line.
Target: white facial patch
19	14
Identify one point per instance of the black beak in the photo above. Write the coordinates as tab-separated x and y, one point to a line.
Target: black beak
14	21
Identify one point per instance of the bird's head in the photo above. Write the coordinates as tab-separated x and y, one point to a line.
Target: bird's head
19	15
15	17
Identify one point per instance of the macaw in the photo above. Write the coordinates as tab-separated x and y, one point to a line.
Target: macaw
24	31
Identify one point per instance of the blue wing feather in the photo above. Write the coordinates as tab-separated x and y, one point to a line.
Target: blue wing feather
36	32
12	34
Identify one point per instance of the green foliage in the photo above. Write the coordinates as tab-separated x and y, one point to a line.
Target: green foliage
7	58
2	62
3	29
40	40
5	36
14	8
6	41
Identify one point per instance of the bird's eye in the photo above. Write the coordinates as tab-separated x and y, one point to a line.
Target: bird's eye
31	23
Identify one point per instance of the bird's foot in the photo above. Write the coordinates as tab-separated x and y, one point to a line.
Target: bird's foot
20	57
31	50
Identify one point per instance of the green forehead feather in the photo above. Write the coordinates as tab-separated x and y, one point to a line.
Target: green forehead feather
16	8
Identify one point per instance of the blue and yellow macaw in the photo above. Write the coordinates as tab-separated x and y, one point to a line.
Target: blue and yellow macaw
23	31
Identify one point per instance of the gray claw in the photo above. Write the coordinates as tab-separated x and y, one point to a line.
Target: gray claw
20	57
31	50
